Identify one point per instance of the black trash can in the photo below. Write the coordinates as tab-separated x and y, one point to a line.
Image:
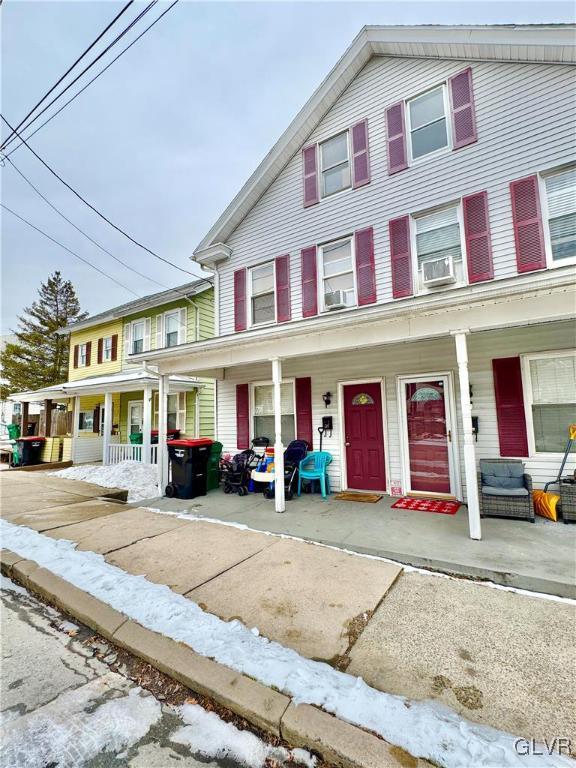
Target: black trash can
189	464
30	449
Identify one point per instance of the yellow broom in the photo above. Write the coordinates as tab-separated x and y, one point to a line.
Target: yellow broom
546	502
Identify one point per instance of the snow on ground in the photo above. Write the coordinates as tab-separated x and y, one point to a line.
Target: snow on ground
209	736
140	480
424	728
78	726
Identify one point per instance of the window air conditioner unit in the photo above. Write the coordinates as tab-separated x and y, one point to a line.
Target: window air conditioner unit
335	300
438	271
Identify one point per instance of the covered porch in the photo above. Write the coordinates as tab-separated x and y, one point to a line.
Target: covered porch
95	417
391	355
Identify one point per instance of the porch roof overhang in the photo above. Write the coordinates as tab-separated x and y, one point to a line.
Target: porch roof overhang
121	382
520	301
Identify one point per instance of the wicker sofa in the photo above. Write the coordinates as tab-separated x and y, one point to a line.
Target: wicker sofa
504	490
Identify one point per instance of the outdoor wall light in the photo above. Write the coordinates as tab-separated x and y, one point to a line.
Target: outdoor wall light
327	397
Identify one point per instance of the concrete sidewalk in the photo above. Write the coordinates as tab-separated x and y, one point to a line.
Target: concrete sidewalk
497	657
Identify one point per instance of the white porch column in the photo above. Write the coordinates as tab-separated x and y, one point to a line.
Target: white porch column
146	423
106	426
164	385
469	445
75	427
279	497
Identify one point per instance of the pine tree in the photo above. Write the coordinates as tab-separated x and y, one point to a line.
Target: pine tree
39	357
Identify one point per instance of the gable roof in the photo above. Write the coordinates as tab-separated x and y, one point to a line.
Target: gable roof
138	305
536	43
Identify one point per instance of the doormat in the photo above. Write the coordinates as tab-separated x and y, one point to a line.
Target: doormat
428	505
368	498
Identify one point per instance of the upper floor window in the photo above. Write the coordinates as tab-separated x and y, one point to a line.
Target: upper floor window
428	124
337	275
138	329
550	391
439	248
107	349
335	164
561	204
171	328
82	355
262	294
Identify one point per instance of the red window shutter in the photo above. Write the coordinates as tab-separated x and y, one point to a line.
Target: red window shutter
96	420
304	410
463	111
99	350
309	282
114	347
527	218
396	138
283	308
310	175
510	406
88	353
477	235
242	417
240	299
76	353
365	270
400	257
360	154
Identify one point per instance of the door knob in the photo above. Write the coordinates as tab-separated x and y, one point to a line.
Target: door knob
347	445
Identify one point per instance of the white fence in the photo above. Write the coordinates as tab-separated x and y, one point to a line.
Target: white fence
118	452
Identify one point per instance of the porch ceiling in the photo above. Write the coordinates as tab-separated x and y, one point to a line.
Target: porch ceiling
391	324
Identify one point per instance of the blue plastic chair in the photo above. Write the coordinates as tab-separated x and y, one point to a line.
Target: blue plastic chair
314	467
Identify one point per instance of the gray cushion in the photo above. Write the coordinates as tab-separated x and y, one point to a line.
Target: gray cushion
502	475
490	490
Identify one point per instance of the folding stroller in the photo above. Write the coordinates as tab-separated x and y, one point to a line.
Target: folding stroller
236	474
293	455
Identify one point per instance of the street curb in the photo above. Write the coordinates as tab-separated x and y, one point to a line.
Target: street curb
345	745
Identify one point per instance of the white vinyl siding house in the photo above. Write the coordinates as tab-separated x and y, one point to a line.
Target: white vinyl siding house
510	99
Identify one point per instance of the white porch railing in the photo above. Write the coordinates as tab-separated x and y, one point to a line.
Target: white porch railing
118	452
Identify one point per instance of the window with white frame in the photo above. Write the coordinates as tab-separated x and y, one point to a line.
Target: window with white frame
176	411
262	294
107	349
335	164
86	421
551	395
171	328
138	332
561	205
337	274
439	247
263	412
427	116
82	355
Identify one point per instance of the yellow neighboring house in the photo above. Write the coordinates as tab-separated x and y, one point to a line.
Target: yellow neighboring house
106	399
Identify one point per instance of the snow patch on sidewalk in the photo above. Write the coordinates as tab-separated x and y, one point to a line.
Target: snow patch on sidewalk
140	480
423	728
209	736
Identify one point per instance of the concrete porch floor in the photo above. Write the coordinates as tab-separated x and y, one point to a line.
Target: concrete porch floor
539	557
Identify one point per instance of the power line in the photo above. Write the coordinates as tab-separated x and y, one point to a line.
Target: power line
92	63
69	250
35	131
96	211
78	60
77	228
95	242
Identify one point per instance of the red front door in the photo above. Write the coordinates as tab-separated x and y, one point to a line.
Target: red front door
364	437
427	436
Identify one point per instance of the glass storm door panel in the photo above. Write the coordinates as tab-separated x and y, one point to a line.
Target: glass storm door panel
428	436
364	437
135	417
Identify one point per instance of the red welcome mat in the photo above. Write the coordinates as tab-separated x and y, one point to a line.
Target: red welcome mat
428	505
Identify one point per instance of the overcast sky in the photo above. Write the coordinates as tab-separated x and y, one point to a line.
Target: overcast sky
166	137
